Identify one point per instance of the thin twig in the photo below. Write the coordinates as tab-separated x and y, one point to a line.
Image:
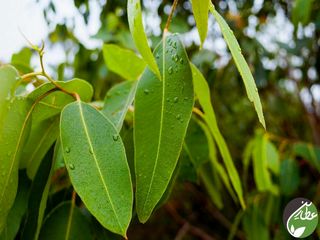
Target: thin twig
173	8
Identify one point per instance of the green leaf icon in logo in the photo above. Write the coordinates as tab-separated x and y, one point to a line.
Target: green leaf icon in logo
303	219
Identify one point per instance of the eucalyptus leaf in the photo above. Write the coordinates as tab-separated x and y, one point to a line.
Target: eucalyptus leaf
123	61
203	93
117	102
13	134
96	161
139	36
53	104
241	64
42	135
66	222
162	113
200	10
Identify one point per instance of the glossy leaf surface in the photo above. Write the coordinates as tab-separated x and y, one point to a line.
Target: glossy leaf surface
13	133
95	158
139	35
123	61
161	108
117	101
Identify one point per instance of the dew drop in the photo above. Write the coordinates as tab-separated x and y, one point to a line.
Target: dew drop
115	137
71	166
168	99
178	116
170	70
90	151
157	56
176	58
186	98
17	78
176	99
181	61
146	91
67	150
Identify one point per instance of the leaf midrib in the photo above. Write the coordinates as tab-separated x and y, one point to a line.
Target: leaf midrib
161	119
96	162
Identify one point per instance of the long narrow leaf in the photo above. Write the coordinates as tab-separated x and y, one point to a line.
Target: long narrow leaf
241	64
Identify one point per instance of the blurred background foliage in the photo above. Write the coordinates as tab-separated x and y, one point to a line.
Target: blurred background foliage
280	40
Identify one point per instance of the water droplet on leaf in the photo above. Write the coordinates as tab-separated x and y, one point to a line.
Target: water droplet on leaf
67	150
115	137
71	166
146	91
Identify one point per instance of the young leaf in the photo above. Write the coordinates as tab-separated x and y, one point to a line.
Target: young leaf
95	158
42	135
301	11
117	102
289	177
13	133
139	35
66	222
241	64
38	198
200	10
162	113
202	91
123	61
52	105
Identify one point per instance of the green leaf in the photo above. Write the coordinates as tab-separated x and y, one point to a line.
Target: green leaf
289	177
21	60
161	107
42	135
52	105
273	161
203	93
139	35
66	222
95	158
13	133
200	10
8	80
301	11
117	101
254	225
18	209
123	61
241	64
260	165
38	198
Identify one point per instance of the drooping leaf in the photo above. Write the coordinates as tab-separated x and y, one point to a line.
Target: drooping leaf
13	133
123	61
241	64
202	91
161	107
200	10
117	102
262	175
66	222
18	209
38	198
42	135
21	60
95	158
139	35
52	105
